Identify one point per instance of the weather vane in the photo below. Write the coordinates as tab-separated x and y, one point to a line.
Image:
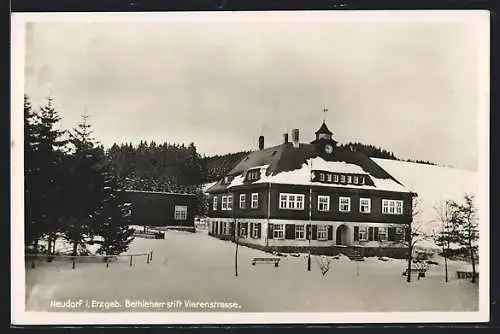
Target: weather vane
325	109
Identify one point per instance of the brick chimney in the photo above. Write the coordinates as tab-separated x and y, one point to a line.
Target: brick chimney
285	138
261	143
295	137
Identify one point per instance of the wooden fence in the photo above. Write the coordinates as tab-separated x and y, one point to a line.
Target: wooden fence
106	259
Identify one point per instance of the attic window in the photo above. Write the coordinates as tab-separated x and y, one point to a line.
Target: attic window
246	158
274	153
253	175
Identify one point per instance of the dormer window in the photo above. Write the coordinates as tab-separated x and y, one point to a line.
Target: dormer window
349	179
355	180
322	177
329	177
253	175
335	178
227	179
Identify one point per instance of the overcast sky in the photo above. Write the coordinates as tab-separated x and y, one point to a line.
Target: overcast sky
410	87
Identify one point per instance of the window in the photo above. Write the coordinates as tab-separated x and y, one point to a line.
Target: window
255	200
361	180
382	233
355	179
364	205
392	207
243	230
342	178
300	232
180	212
335	178
322	177
363	235
292	201
242	201
323	203
329	177
344	204
255	230
253	175
224	203
229	202
225	228
215	203
349	179
279	231
322	232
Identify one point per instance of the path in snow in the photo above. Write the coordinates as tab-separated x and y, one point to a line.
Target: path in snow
201	268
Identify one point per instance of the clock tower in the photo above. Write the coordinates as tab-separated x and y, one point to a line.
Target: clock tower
325	144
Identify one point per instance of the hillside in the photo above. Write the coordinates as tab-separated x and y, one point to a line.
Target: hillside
433	184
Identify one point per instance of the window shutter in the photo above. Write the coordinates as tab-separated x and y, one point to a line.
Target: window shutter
270	229
231	228
308	232
259	226
391	234
290	231
251	230
330	232
376	238
356	233
370	233
315	232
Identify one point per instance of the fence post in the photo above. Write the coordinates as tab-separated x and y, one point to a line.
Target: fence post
131	260
73	264
151	256
147	261
107	262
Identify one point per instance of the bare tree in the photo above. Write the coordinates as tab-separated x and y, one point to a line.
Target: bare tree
447	235
414	233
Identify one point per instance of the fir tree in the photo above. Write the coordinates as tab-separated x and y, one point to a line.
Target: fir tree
84	187
45	157
468	231
113	220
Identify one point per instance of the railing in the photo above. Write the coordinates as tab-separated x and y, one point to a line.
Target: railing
73	259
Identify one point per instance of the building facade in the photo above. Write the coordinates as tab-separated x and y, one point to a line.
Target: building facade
161	209
297	197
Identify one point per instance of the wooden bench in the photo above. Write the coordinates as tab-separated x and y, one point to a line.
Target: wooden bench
274	260
418	268
465	274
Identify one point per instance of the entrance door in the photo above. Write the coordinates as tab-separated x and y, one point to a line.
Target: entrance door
341	235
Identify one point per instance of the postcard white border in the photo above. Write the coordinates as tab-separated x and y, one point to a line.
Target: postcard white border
479	20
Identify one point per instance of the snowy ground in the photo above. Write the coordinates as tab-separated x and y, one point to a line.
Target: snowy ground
200	268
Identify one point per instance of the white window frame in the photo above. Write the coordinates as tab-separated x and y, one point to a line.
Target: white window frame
279	233
363	233
335	178
214	204
361	180
243	199
255	200
368	205
291	201
322	232
229	202
342	178
392	207
322	205
255	230
385	234
355	179
180	212
224	203
300	234
349	179
243	231
329	177
341	198
322	177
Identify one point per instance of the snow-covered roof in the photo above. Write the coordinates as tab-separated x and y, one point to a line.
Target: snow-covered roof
302	176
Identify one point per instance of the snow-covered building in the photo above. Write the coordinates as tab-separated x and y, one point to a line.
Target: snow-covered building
296	196
161	209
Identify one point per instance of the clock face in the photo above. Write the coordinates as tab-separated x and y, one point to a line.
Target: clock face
328	148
